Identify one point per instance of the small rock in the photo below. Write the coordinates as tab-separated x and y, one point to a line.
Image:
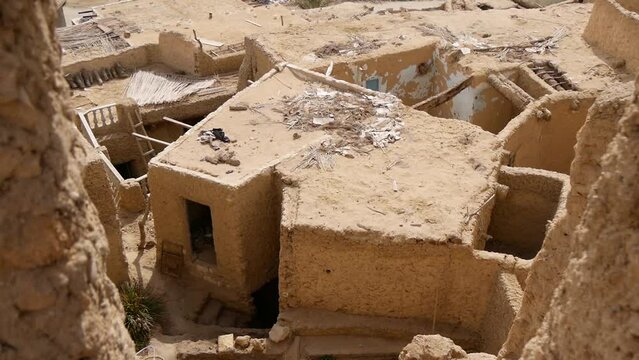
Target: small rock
243	342
258	345
239	107
225	343
279	333
296	136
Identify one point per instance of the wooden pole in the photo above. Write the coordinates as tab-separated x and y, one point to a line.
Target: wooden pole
518	97
166	118
151	139
442	97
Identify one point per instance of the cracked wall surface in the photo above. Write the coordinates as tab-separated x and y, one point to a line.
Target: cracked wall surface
55	298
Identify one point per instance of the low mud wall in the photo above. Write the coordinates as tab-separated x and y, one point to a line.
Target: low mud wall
614	29
362	274
521	215
547	144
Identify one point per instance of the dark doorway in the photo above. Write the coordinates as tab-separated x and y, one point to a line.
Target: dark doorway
267	305
125	169
201	232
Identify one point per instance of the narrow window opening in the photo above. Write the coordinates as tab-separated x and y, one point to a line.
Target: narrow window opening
372	84
125	169
201	232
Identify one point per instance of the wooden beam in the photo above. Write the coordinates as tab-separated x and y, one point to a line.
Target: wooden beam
443	97
166	118
151	139
516	95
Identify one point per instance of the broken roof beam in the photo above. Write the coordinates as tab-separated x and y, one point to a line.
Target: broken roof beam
187	126
443	97
516	95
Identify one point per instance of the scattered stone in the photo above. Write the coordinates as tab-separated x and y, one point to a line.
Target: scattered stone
258	345
224	157
242	342
225	343
279	333
239	107
432	347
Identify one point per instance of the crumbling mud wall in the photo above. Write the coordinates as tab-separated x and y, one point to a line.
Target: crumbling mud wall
600	281
257	62
55	298
614	28
368	274
408	74
479	103
536	141
529	200
550	263
102	193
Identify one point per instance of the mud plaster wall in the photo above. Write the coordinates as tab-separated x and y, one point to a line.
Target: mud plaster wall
603	264
131	58
593	139
245	220
200	106
56	300
257	62
502	309
528	81
364	274
519	219
397	73
630	5
209	65
479	104
614	29
102	194
547	144
177	52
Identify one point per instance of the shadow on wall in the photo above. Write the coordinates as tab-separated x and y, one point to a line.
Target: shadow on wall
527	201
547	143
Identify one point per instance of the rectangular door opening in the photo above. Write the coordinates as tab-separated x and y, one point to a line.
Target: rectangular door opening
201	232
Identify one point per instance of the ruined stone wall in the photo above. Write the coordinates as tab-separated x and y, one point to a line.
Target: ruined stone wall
593	313
550	263
55	298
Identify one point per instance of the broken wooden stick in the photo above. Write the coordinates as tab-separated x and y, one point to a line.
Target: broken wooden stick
442	97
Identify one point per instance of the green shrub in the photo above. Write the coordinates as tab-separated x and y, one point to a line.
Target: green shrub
142	309
310	4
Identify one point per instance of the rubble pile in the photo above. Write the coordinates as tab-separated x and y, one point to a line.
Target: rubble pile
358	120
355	46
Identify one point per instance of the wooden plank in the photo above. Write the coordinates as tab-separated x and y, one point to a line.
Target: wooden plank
443	97
253	23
